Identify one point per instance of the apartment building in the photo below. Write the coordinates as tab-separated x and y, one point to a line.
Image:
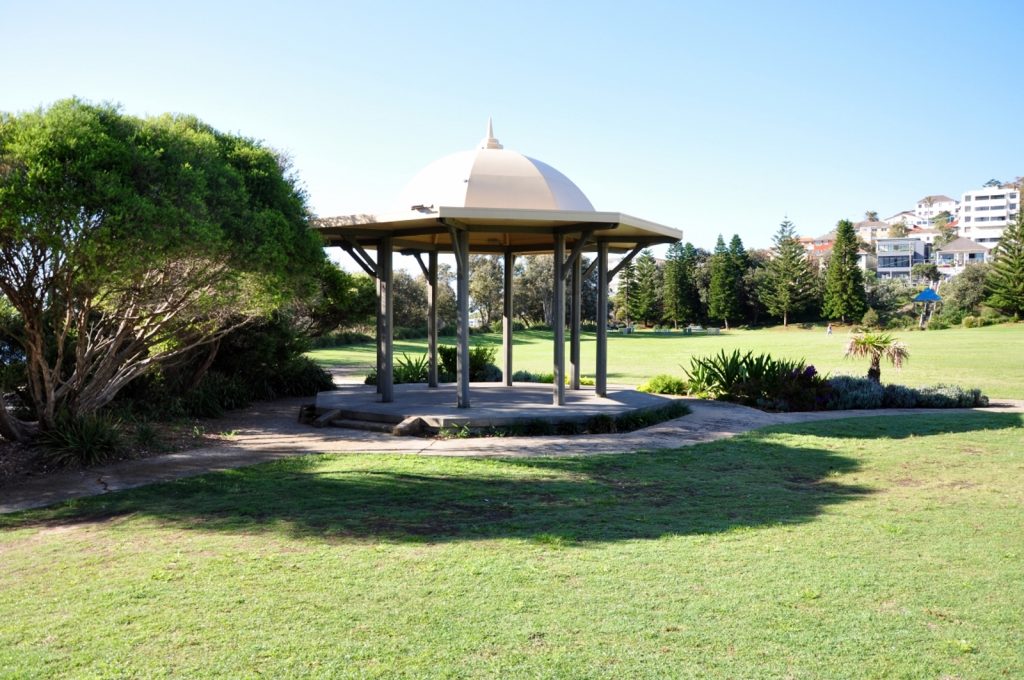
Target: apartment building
986	212
930	207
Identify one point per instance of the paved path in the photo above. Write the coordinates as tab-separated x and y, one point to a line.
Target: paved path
270	431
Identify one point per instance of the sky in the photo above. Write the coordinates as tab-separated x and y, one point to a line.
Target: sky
707	117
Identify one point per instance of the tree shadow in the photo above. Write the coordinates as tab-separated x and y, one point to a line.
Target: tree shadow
905	426
711	488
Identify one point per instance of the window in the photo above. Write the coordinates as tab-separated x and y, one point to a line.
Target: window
967	219
968	209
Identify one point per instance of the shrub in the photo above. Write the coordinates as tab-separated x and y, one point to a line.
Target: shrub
950	396
849	392
899	396
84	440
411	369
481	363
938	324
870	319
777	384
971	322
215	394
663	384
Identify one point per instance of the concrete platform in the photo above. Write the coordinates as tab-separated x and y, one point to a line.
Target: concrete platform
492	404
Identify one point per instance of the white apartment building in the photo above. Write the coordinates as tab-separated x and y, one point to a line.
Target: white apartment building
929	207
985	212
907	217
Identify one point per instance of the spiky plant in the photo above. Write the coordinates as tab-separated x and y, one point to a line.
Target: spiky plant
875	346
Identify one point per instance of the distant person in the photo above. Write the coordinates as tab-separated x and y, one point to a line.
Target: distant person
828	331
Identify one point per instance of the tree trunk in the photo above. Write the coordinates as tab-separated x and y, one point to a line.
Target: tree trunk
875	371
785	319
13	429
204	367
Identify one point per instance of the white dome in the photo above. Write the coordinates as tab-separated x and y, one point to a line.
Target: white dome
492	177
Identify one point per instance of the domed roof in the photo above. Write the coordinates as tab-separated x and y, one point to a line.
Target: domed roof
491	176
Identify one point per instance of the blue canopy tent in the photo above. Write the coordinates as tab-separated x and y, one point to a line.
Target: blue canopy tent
928	298
928	295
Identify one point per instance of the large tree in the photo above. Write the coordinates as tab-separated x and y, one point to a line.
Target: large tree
726	274
486	286
946	231
1006	280
788	284
126	243
645	300
679	296
845	297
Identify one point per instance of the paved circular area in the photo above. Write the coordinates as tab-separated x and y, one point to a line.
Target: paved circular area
270	430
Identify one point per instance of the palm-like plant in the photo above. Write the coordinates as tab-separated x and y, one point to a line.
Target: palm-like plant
875	346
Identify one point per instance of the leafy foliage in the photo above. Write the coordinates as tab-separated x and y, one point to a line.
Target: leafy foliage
862	393
663	384
875	346
83	440
757	380
481	363
125	243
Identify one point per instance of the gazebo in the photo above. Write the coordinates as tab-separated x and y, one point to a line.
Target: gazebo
493	200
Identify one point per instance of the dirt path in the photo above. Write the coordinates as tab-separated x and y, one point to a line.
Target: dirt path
270	431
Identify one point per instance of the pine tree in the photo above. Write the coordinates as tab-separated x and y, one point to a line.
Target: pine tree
789	282
740	263
645	300
723	296
626	292
679	292
1006	280
844	282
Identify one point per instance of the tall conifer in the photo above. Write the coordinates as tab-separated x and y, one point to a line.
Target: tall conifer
844	282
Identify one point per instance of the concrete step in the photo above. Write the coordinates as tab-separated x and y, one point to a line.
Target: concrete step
367	425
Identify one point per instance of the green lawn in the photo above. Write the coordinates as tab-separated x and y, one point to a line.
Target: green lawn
875	548
991	358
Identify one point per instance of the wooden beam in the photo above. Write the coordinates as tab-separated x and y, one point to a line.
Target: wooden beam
577	249
625	261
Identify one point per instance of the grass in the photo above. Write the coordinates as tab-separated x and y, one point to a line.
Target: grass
987	358
877	548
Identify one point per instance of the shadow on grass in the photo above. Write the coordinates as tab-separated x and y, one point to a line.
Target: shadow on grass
746	482
706	489
909	425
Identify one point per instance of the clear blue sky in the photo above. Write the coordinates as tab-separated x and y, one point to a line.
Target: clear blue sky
709	117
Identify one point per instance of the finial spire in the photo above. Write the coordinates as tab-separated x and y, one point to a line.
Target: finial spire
489	142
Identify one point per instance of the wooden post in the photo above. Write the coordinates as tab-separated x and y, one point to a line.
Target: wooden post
574	322
601	370
432	318
506	318
385	316
460	244
558	321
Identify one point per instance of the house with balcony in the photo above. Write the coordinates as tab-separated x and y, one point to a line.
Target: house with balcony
897	256
955	256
